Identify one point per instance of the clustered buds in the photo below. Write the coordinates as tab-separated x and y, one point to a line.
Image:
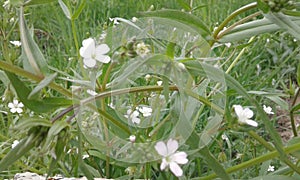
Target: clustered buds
279	5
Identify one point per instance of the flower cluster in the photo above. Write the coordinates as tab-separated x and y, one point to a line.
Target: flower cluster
134	115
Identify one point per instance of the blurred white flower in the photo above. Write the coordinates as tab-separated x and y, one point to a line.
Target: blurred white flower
271	168
228	45
224	137
142	49
133	116
16	43
132	138
134	19
15	143
171	158
146	111
159	83
85	156
15	106
181	66
92	53
244	115
268	109
91	92
114	20
147	77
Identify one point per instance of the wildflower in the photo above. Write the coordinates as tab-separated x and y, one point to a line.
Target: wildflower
15	143
15	106
132	138
91	92
146	111
244	115
114	20
270	168
92	53
133	116
147	77
171	158
16	43
228	45
224	137
85	156
159	83
142	49
134	19
268	109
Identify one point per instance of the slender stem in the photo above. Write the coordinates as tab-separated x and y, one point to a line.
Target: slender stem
77	46
21	72
105	79
260	159
232	16
292	113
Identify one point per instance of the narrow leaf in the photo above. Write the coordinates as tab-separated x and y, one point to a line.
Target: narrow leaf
79	10
298	74
38	2
65	9
45	82
184	5
32	122
263	6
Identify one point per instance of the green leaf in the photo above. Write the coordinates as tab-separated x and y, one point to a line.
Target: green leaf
38	2
65	9
32	122
33	53
182	17
45	82
298	74
291	13
184	5
4	78
285	23
79	10
39	106
274	177
263	6
293	141
295	108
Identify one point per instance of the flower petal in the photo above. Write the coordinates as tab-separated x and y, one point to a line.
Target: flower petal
136	120
19	110
172	146
21	105
238	109
248	113
88	48
102	48
180	158
251	122
89	62
163	164
102	58
176	170
13	110
161	148
11	105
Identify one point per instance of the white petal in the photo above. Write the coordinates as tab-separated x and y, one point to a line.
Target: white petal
251	122
136	120
248	113
102	58
88	48
180	158
238	109
16	102
176	170
19	110
161	148
13	110
21	105
172	146
89	62
163	164
102	48
11	105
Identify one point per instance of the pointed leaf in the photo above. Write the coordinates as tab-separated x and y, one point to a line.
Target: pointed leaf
274	177
32	122
263	6
298	74
45	82
79	10
65	9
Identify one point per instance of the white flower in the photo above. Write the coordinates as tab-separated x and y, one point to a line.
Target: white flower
16	43
146	111
15	143
142	49
15	106
134	19
228	44
132	138
85	156
133	116
271	168
244	115
159	83
92	53
114	20
268	109
91	92
147	77
171	158
224	137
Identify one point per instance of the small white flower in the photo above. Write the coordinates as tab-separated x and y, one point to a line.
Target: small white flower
224	137
146	111
142	49
159	83
171	158
239	155
133	116
271	168
228	44
85	156
132	138
15	106
16	43
92	53
147	77
244	115
114	20
268	109
134	19
91	92
181	66
15	143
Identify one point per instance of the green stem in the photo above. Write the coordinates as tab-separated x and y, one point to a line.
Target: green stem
292	114
260	159
21	72
230	17
77	46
